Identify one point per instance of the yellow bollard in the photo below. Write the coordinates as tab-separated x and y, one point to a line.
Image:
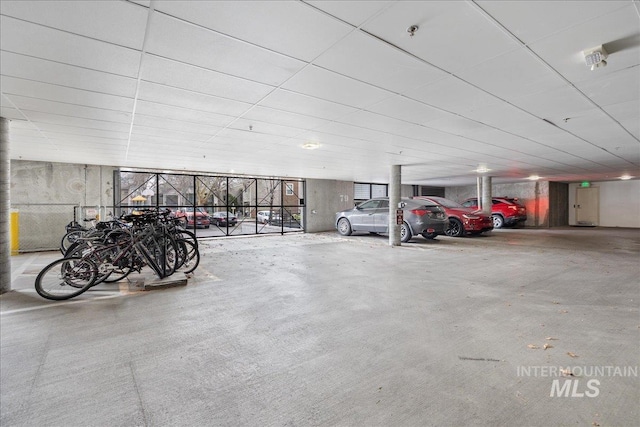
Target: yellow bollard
15	232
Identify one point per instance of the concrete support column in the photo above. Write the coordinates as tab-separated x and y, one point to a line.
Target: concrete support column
479	191
486	195
395	179
5	208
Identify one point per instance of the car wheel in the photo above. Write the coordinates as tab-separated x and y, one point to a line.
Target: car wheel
455	228
405	233
344	227
498	221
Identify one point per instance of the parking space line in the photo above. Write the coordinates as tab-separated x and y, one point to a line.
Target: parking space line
57	304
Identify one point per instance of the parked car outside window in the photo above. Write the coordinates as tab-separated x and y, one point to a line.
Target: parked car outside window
264	217
202	217
505	211
222	219
462	220
420	218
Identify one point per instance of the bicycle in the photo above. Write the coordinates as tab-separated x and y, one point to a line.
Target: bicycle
93	259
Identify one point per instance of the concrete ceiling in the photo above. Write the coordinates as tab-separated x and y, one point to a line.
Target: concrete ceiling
239	87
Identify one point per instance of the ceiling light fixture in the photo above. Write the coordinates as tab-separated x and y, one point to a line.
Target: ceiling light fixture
482	169
595	57
625	177
311	145
534	177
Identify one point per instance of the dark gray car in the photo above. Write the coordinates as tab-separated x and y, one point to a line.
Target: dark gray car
419	217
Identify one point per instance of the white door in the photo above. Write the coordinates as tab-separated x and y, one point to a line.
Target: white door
587	206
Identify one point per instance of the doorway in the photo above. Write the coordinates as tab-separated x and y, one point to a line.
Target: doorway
587	206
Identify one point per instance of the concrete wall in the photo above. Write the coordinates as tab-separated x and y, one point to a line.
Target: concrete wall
619	203
323	199
45	194
534	195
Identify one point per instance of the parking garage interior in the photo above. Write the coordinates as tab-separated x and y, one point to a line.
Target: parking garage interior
304	109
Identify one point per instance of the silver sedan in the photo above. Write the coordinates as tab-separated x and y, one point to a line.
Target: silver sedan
420	217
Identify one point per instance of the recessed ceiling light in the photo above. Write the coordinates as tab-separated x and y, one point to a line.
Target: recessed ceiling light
482	169
311	145
534	177
625	177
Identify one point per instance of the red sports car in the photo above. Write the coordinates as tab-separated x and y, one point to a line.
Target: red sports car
504	211
461	220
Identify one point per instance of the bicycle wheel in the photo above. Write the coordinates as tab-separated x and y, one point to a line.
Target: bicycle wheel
185	235
69	239
66	278
94	252
189	256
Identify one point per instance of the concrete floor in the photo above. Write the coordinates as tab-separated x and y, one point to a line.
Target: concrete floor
318	329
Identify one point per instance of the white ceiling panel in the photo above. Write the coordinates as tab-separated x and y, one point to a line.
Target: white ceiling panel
403	108
165	133
627	113
71	110
46	91
176	124
253	128
173	115
264	133
617	30
43	42
355	13
453	94
293	102
556	105
511	119
78	131
597	129
197	79
161	94
453	36
118	22
39	70
330	86
549	17
83	141
283	118
185	42
293	28
614	88
513	75
239	87
37	117
362	57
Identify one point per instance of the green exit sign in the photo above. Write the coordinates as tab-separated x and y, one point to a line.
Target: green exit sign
585	184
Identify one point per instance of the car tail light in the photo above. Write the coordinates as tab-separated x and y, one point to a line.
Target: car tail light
513	207
429	213
420	212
